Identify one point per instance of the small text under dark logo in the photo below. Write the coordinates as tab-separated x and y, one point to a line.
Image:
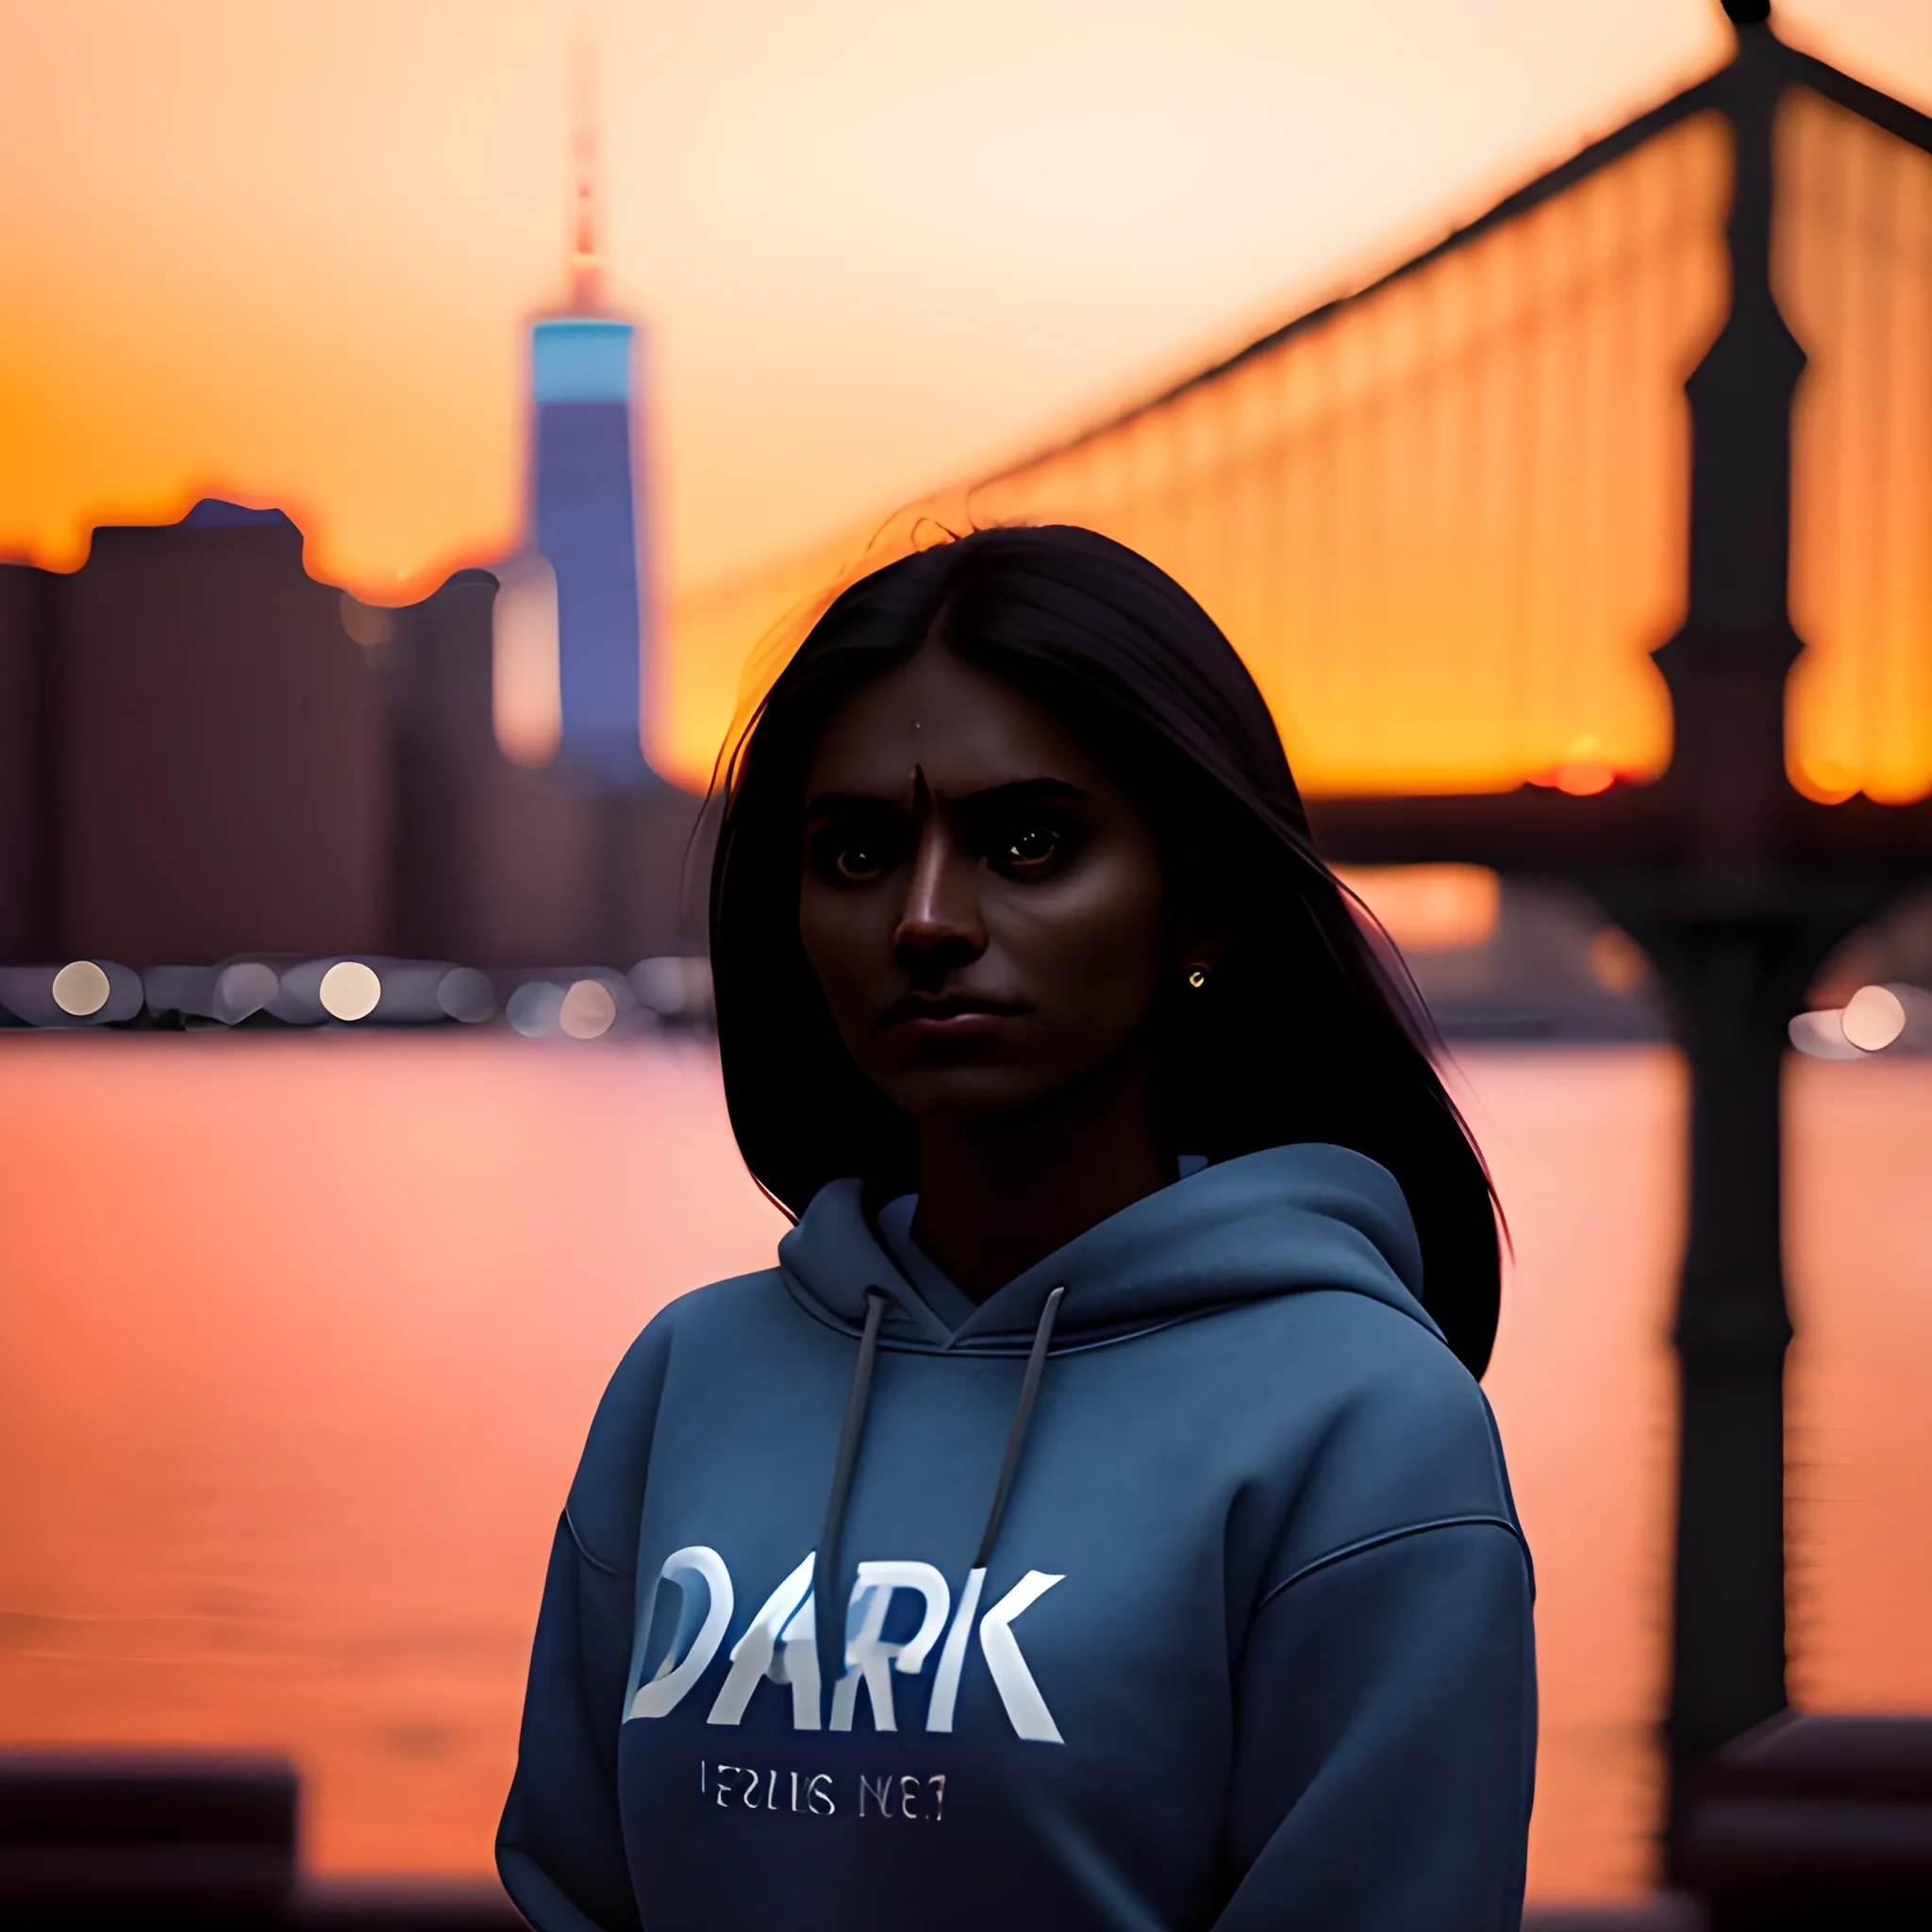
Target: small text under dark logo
815	1795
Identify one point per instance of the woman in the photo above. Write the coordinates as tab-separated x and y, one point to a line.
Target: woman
1092	1521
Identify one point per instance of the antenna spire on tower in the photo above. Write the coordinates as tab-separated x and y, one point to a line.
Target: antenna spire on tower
585	250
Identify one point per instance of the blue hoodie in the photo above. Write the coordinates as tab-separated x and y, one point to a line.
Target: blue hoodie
1180	1583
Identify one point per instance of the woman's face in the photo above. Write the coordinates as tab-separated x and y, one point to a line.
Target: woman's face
980	901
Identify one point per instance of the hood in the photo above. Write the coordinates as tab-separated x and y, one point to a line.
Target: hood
1274	1223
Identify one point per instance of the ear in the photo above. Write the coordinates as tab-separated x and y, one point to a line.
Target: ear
1204	951
1206	940
1212	905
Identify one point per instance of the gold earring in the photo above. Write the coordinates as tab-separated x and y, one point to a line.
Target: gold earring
1197	978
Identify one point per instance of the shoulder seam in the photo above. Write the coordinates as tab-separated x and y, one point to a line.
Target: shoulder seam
602	1564
1383	1538
589	1556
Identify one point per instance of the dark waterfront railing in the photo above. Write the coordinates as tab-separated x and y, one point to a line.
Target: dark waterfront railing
94	1842
1809	1823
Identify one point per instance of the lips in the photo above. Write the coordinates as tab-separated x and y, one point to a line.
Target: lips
948	1013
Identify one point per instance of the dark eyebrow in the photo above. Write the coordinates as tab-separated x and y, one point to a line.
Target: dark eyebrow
845	804
1020	791
995	797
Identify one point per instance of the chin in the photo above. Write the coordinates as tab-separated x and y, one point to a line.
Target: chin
968	1097
962	1097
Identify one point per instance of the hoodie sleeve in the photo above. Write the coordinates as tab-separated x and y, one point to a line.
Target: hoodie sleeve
559	1848
1387	1739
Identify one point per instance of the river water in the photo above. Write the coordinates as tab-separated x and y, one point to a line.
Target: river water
299	1336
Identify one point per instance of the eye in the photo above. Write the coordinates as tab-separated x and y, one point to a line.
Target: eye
1032	846
843	853
1030	849
858	861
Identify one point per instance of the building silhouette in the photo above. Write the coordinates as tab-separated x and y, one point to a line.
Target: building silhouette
205	752
199	750
585	525
497	864
584	512
26	764
197	759
219	744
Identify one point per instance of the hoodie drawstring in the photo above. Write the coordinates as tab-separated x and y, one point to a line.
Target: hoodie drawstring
1029	1388
825	1626
850	1431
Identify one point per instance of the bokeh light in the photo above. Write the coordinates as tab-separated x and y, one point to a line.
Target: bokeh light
588	1009
1874	1016
245	987
1822	1034
81	988
350	991
535	1008
465	994
675	988
1616	960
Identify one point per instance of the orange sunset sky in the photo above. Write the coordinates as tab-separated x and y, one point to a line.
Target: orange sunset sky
284	250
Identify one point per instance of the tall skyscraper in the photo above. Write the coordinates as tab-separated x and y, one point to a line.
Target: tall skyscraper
584	384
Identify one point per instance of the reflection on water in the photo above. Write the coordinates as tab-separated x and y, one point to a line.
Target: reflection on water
299	1337
1585	1147
1859	1445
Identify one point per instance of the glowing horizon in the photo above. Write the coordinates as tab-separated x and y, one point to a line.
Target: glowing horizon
292	260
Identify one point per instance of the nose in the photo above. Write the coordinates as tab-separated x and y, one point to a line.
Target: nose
939	925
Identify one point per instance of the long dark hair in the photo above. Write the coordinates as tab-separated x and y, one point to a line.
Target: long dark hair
1310	1028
